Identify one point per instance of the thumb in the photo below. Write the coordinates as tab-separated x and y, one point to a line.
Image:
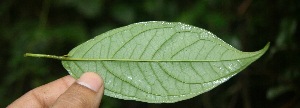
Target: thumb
86	92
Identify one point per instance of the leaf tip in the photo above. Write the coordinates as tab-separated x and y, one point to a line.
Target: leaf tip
266	47
263	50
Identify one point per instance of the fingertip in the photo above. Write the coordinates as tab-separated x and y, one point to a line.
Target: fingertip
87	91
91	80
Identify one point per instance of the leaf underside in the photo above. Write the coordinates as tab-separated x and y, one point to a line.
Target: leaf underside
158	62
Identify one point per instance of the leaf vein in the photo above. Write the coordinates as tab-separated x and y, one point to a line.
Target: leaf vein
160	82
133	38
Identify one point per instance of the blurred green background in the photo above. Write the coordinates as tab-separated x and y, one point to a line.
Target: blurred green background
56	26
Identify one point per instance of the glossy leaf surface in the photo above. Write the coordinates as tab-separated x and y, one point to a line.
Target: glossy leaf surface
158	62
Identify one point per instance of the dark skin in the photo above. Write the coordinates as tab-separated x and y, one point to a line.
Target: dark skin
86	92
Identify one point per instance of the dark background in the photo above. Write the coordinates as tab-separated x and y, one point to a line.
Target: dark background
56	26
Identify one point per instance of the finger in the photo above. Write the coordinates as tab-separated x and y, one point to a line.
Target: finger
85	93
45	95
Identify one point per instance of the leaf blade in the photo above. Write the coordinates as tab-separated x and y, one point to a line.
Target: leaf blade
158	62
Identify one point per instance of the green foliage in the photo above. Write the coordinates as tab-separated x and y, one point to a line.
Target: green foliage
157	62
55	27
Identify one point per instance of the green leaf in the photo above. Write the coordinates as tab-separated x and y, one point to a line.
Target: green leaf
157	62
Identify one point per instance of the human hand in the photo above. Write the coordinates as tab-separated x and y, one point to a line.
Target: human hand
86	92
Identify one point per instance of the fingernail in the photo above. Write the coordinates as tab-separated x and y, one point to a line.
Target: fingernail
90	80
